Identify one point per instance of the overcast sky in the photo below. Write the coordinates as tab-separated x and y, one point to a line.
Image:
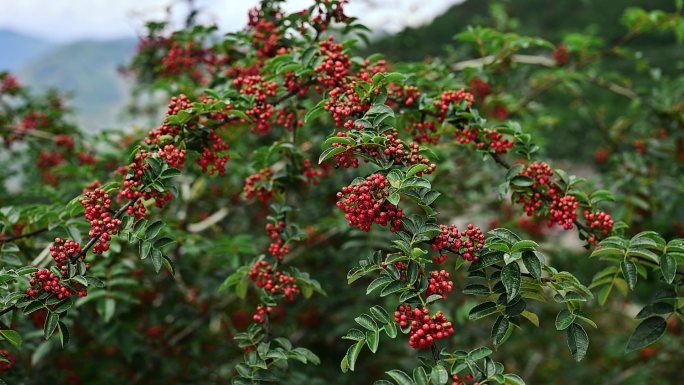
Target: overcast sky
69	20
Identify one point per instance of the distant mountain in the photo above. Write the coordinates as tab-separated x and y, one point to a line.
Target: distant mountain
17	49
88	69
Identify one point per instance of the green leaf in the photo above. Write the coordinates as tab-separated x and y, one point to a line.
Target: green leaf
584	317
419	376
64	335
505	235
480	353
13	337
510	276
353	354
476	289
513	171
524	245
602	251
416	169
393	287
532	264
564	319
668	265
648	332
642	253
482	310
367	322
391	330
382	281
239	114
33	306
415	182
145	249
578	341
380	313
64	305
50	324
157	259
93	281
373	339
499	330
629	271
513	379
522	181
330	152
314	113
354	334
439	375
153	229
400	377
170	173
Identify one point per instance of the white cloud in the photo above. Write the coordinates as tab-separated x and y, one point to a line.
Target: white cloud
68	20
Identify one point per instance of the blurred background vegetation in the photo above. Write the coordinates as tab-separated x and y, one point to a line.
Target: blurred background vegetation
89	70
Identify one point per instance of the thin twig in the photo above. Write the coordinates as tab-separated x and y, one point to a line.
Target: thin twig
15	237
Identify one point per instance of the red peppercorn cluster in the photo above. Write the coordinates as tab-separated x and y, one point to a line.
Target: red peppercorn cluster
599	221
479	88
9	85
365	203
563	211
367	71
266	34
261	112
63	250
48	160
260	192
65	140
458	380
561	55
335	66
289	119
343	103
277	249
396	148
86	158
346	158
311	174
439	284
176	105
46	280
640	146
325	12
210	156
407	94
541	173
261	313
424	329
601	156
273	231
97	206
92	187
491	139
187	60
468	243
452	97
263	276
6	365
423	132
499	112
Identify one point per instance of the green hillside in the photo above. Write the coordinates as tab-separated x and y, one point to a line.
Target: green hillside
550	19
17	49
89	70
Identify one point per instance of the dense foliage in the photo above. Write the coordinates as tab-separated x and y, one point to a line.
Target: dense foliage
218	246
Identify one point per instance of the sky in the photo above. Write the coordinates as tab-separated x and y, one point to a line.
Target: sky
63	21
